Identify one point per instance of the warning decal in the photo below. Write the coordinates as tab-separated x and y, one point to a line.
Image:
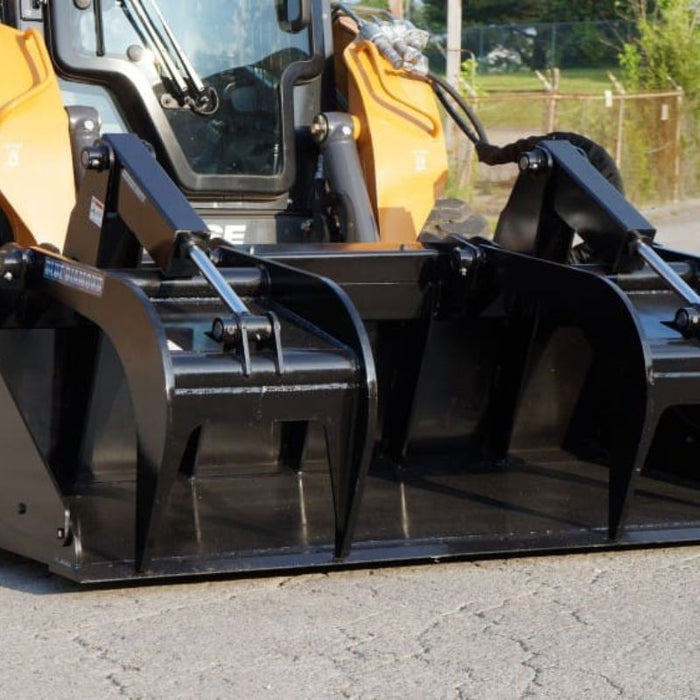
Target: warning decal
97	212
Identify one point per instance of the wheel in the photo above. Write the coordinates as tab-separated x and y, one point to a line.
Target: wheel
453	217
5	229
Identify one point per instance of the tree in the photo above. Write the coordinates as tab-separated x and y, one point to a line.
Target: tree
518	11
381	4
667	47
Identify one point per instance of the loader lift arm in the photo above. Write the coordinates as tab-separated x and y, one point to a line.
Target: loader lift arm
165	225
560	193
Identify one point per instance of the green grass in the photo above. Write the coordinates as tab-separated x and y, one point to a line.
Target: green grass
581	81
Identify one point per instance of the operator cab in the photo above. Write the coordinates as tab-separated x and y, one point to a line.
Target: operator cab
223	91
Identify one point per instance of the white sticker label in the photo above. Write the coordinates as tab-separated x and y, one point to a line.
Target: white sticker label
421	161
97	212
13	153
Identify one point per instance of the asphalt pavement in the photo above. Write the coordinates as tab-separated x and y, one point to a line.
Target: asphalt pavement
599	625
678	225
596	625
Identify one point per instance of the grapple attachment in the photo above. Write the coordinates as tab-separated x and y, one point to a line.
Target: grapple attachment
203	409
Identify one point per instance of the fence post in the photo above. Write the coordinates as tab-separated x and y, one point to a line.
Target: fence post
552	102
396	7
454	40
677	147
551	87
621	93
620	129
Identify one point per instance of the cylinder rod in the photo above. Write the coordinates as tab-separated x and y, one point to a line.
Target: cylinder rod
215	278
667	273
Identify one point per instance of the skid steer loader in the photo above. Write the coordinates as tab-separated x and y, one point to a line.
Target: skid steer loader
241	330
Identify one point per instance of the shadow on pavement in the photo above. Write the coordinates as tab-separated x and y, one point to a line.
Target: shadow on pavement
27	576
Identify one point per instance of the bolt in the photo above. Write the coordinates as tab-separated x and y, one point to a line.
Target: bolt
687	320
96	157
319	128
217	330
216	256
135	53
8	277
60	534
532	161
463	259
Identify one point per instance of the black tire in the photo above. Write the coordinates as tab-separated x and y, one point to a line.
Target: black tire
453	217
5	229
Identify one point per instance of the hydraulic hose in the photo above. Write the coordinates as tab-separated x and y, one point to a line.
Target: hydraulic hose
444	92
455	105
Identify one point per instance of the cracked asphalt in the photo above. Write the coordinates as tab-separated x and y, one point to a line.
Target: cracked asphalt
597	625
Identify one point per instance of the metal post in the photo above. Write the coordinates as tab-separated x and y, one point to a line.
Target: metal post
620	118
552	102
620	130
454	41
677	149
396	7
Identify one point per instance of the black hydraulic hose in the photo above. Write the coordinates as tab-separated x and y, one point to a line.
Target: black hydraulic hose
441	86
99	29
342	7
446	94
371	31
456	117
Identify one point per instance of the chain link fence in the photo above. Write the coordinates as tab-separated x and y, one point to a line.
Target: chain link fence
654	138
513	47
544	45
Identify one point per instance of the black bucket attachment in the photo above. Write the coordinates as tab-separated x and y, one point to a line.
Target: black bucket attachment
220	411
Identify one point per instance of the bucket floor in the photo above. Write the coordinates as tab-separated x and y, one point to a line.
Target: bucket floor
284	519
